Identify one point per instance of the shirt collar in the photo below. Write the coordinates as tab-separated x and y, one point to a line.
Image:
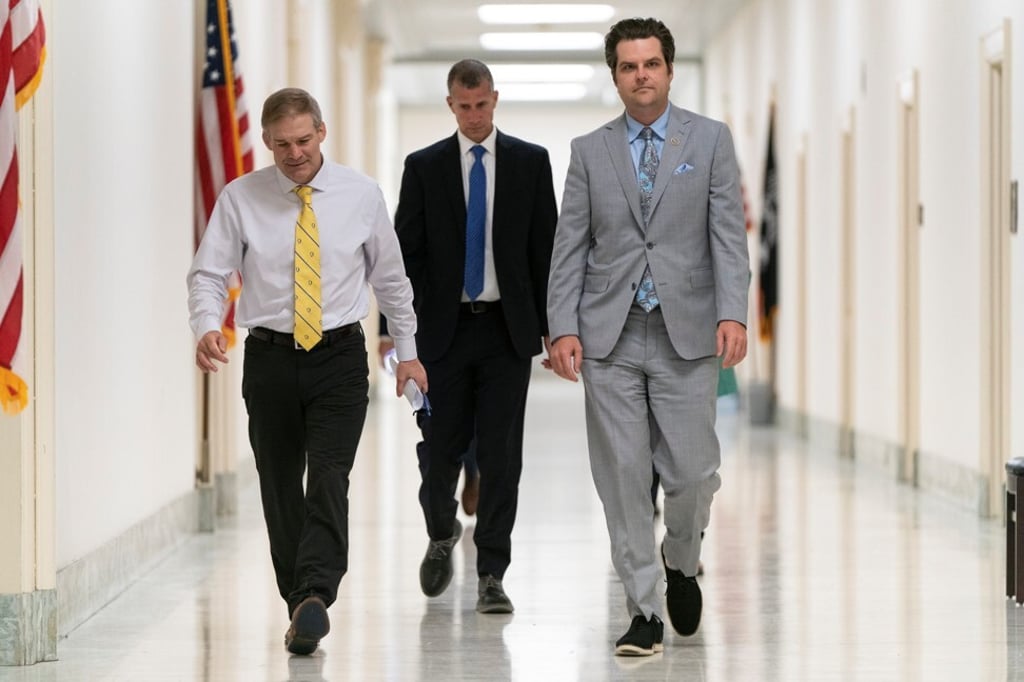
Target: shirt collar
660	126
318	183
488	143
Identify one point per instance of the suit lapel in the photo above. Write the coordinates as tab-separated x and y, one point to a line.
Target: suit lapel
503	182
671	153
452	173
622	162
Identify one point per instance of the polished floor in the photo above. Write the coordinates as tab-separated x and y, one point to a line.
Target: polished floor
816	569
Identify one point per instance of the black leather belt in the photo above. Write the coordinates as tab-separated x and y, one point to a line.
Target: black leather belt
284	339
477	307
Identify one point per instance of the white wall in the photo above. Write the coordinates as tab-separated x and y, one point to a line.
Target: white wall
259	27
824	57
123	205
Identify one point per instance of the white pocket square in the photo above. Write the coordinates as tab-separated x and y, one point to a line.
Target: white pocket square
683	167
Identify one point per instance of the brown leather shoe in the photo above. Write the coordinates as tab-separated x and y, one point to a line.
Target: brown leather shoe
309	625
471	494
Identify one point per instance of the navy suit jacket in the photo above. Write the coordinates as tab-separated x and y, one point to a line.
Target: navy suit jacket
431	225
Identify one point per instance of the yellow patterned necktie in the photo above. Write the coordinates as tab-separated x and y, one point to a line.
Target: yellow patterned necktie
308	325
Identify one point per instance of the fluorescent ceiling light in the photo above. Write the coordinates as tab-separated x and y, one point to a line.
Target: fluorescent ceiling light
541	73
544	14
541	92
541	41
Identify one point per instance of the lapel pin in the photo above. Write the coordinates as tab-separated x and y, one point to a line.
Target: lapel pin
674	141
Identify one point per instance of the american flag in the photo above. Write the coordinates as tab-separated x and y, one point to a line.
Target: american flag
223	140
22	53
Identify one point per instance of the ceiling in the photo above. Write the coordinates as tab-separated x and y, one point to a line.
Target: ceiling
425	37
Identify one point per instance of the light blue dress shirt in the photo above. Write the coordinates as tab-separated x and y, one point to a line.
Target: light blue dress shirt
636	143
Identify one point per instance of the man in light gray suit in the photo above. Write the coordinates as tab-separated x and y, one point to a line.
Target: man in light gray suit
649	285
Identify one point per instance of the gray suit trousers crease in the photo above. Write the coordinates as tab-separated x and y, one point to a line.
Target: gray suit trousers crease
644	405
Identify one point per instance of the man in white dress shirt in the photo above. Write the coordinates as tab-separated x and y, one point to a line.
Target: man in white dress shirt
306	407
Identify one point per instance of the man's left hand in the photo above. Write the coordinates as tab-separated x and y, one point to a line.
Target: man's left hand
731	342
410	369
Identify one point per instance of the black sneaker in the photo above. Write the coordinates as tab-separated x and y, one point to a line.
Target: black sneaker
644	638
309	625
492	597
683	598
436	570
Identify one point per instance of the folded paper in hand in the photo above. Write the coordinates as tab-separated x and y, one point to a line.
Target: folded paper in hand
411	391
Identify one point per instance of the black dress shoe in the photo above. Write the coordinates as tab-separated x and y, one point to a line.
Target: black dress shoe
492	597
683	599
436	570
309	625
644	638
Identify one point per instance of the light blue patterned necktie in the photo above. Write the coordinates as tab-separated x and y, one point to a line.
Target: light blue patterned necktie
476	220
646	296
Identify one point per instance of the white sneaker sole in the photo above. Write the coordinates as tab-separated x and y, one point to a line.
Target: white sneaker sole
634	650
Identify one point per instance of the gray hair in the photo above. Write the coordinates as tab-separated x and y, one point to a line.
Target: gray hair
290	102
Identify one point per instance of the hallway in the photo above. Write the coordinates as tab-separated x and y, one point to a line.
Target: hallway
816	569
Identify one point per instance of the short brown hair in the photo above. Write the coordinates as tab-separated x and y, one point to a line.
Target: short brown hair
638	29
469	73
290	102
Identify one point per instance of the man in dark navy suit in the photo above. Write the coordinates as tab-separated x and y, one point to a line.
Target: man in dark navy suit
476	219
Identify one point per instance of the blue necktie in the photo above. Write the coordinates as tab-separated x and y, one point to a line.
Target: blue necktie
646	296
476	219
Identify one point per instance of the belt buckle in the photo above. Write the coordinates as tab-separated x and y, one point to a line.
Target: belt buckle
477	307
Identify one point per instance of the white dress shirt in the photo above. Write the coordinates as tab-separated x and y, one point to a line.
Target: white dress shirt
490	291
252	230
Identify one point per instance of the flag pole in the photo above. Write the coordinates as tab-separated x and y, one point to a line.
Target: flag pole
762	398
224	152
203	474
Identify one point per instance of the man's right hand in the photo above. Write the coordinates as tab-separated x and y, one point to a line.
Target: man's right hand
567	357
213	346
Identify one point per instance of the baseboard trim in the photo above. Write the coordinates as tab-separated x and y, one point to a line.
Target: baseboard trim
963	486
960	485
879	454
87	585
28	627
226	484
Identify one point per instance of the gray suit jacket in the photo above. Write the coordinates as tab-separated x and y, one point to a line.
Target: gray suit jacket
694	241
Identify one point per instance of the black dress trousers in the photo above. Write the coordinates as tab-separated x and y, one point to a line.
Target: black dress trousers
478	388
306	409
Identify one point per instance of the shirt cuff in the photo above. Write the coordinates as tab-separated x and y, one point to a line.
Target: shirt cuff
405	348
206	326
